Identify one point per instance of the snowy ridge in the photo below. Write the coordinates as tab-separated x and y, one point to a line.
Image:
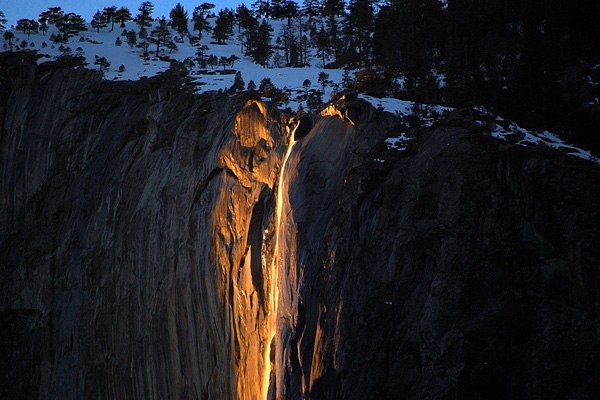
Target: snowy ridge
495	126
509	131
92	43
126	63
406	108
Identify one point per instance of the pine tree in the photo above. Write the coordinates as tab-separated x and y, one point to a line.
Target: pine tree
189	63
53	15
332	9
144	17
266	87
71	24
8	36
99	21
277	8
179	19
172	46
251	87
223	61
201	55
223	26
131	38
3	21
143	44
43	21
386	37
306	85
161	34
310	8
59	38
360	25
260	48
109	14
323	44
304	48
66	51
347	81
323	79
238	83
102	62
303	41
232	59
200	22
247	26
204	8
243	17
261	8
290	46
122	16
290	11
212	60
28	26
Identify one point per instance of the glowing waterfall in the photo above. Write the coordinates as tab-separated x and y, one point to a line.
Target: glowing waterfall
274	269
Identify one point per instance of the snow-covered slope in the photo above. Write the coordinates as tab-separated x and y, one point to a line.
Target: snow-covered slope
126	63
93	43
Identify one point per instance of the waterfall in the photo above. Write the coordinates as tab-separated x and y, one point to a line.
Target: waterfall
274	268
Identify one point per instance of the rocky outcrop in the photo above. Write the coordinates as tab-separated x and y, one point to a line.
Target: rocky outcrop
150	250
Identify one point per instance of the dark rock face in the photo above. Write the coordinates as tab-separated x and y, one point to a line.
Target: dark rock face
139	260
21	343
462	268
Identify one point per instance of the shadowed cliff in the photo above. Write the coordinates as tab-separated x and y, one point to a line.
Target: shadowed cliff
460	267
139	260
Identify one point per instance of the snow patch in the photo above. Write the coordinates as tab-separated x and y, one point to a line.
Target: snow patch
399	143
428	113
523	137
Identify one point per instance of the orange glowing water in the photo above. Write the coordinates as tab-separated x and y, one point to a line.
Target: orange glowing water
274	271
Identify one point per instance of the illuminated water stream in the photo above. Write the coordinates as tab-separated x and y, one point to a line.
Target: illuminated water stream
274	269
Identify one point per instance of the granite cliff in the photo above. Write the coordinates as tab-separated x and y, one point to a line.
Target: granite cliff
151	247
